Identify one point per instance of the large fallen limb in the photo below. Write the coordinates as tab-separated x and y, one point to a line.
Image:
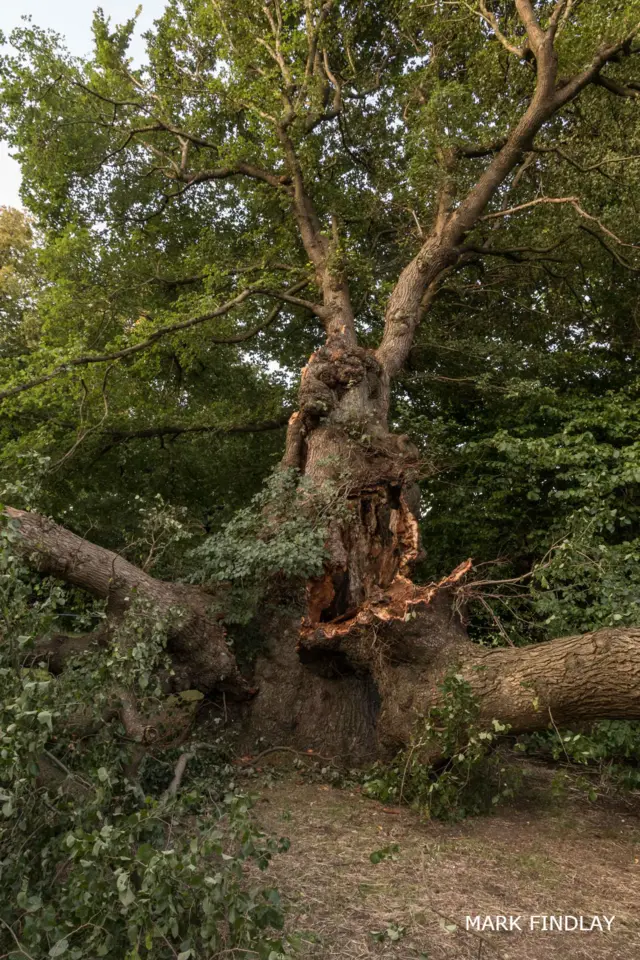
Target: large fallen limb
569	680
197	643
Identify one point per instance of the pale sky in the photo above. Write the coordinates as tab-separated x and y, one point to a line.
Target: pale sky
72	19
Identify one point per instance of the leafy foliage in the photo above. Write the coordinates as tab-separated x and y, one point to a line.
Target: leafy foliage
281	536
546	478
130	892
611	747
471	780
90	865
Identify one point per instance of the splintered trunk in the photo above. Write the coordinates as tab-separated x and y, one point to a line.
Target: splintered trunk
343	437
348	669
353	678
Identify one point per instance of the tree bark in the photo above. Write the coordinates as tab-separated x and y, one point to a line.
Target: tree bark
569	680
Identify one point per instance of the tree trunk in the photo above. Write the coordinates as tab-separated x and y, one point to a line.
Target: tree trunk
373	646
340	435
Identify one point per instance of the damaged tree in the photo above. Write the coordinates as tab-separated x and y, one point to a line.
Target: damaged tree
373	645
353	686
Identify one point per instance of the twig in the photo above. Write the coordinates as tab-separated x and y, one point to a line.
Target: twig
18	944
559	737
496	620
572	201
178	774
82	435
65	769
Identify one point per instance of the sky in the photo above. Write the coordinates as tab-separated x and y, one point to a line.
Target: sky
72	20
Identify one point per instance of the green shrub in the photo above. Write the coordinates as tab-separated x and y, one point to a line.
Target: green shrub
91	865
472	778
610	747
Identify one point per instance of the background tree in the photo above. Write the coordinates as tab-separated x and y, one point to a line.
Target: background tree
17	282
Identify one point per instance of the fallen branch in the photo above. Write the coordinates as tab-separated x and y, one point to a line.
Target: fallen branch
178	774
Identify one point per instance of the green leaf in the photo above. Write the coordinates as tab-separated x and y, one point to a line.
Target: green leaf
44	717
59	948
127	896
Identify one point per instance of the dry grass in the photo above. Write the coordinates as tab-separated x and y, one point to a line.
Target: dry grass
539	857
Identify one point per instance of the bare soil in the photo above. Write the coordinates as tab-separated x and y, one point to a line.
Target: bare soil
541	856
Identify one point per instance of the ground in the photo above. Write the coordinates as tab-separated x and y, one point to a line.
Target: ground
543	855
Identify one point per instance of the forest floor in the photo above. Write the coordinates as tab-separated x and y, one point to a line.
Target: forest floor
543	855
